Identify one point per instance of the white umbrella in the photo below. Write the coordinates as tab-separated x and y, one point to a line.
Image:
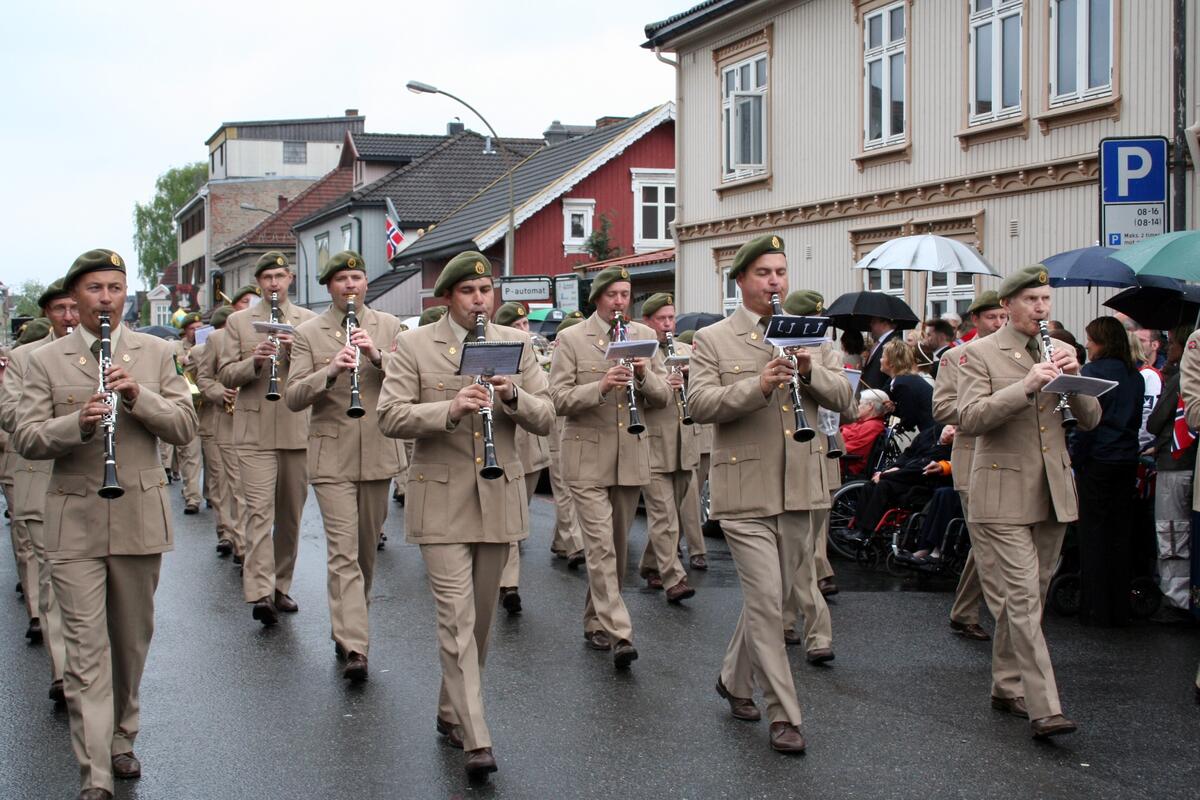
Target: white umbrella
927	253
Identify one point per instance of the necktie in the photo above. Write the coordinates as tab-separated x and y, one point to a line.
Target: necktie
1034	351
96	350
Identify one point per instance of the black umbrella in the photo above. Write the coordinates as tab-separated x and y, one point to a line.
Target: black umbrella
695	321
854	310
161	331
1157	306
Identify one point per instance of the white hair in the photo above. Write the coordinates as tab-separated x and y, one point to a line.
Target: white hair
876	397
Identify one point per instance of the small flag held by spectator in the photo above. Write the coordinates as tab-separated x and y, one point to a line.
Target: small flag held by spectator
1182	437
394	237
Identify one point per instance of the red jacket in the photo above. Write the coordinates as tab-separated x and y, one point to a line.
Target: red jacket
860	438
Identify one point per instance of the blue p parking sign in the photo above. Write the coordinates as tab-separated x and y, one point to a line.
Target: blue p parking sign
1133	189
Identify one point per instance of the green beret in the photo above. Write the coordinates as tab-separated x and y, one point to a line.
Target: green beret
509	313
431	315
245	290
655	302
189	319
93	261
804	303
467	265
269	260
347	259
1035	275
52	293
686	337
574	318
220	315
759	245
985	302
35	329
605	278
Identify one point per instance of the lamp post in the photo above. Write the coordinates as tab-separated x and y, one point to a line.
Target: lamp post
416	87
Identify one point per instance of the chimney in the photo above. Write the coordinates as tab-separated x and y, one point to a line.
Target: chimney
455	127
604	122
555	134
351	112
281	200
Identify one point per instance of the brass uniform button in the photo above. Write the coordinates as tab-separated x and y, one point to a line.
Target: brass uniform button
620	424
787	431
478	434
441	385
995	466
754	337
421	477
733	459
737	367
786	407
1043	429
478	460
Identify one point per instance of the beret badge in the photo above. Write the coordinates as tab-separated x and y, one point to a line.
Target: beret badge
480	268
351	262
279	260
115	260
775	242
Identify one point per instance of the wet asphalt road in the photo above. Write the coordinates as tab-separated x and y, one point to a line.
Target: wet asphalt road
233	710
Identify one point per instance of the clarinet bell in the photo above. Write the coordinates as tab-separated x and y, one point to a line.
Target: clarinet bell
110	489
832	450
354	412
804	434
491	470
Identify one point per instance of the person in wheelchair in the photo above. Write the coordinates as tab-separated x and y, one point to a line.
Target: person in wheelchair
860	436
923	467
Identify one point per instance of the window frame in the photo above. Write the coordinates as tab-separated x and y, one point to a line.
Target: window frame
321	242
573	205
303	148
347	236
1082	94
884	53
746	49
733	169
641	177
995	16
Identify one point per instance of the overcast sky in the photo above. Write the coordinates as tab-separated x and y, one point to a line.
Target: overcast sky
100	98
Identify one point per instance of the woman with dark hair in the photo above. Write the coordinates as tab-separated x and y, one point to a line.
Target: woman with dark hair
1105	461
911	391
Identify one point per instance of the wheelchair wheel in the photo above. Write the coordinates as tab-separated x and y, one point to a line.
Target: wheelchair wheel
843	510
1145	598
1064	594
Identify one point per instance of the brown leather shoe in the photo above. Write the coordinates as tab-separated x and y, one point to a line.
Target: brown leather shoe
94	793
264	611
355	670
126	766
1056	725
510	598
598	640
480	763
819	655
453	733
34	632
786	738
1011	705
699	562
792	636
57	693
680	592
576	560
827	587
742	708
624	654
970	630
285	603
224	547
653	581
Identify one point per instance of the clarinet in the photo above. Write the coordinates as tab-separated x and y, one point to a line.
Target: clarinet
356	409
110	489
491	469
635	416
680	393
273	383
1068	417
803	432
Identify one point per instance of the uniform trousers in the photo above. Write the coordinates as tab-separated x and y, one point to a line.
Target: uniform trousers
187	463
969	594
568	538
770	553
49	611
605	514
108	619
1016	563
465	581
214	486
821	545
666	495
511	579
353	512
26	562
796	598
274	486
234	505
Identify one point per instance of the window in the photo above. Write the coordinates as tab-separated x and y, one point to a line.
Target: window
162	314
347	238
731	293
744	117
949	292
995	59
192	224
888	282
885	48
322	242
1081	48
295	152
577	224
653	208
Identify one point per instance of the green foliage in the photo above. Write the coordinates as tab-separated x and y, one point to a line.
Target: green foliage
144	314
154	226
600	244
25	301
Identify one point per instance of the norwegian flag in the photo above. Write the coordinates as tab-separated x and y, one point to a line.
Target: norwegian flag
394	237
1182	437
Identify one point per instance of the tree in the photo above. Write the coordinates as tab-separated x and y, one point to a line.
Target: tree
600	244
25	302
154	224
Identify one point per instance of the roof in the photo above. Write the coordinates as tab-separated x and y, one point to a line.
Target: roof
387	281
170	275
428	189
402	147
658	33
277	228
637	260
311	129
537	181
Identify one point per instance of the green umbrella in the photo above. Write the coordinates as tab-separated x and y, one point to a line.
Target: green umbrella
1173	255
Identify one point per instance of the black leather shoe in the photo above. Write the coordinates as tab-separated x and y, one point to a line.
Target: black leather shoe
1011	705
285	603
191	508
224	547
34	632
1056	725
786	738
453	733
510	598
970	630
264	611
742	708
791	636
827	587
94	793
126	766
57	693
356	668
576	560
819	655
238	558
699	562
339	652
598	640
480	763
624	654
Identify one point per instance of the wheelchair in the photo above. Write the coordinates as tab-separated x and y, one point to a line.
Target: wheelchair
1064	593
846	500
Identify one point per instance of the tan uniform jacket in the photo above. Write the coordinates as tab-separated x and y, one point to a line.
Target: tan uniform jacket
10	407
674	446
260	423
341	448
61	377
1189	385
212	393
758	469
945	411
534	450
446	501
596	449
210	387
1021	472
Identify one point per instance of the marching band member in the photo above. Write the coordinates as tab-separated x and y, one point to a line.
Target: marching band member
186	457
210	412
567	541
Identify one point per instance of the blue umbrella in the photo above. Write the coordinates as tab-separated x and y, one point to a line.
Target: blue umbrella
1089	266
1175	255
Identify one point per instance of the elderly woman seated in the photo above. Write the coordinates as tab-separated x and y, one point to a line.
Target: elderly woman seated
923	467
861	434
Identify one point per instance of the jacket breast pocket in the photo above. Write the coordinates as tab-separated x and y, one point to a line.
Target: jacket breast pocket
427	509
156	524
578	452
68	507
435	387
590	371
69	399
737	480
733	370
996	485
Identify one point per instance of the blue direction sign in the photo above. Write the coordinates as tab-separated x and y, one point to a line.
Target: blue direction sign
1133	189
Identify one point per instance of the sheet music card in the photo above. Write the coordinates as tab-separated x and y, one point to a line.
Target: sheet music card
785	330
273	327
638	348
491	358
203	332
1078	384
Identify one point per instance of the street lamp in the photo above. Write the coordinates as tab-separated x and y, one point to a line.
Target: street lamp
417	87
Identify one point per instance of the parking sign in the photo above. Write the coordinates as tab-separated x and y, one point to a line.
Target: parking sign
1133	189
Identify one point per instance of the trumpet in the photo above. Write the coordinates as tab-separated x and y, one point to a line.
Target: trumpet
273	382
681	393
231	405
356	409
635	416
110	489
802	432
490	469
1068	417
